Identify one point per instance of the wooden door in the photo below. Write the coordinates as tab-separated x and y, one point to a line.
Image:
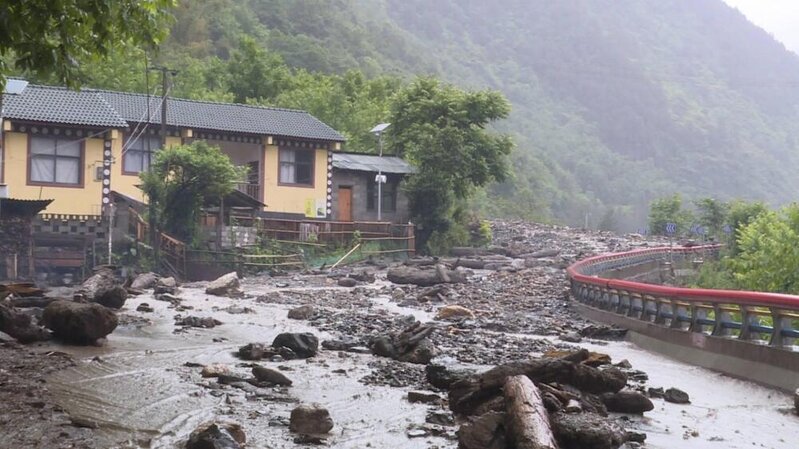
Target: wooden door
344	203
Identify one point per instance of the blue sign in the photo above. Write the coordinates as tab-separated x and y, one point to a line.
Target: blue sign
671	228
727	229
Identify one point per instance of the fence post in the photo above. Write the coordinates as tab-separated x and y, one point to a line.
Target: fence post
411	239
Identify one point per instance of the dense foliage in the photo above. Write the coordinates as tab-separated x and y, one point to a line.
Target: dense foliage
614	102
51	37
442	131
183	178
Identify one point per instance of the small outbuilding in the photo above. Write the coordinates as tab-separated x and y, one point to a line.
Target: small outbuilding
16	236
354	190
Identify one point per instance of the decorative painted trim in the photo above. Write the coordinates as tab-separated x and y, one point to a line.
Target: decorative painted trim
297	143
106	188
206	135
329	183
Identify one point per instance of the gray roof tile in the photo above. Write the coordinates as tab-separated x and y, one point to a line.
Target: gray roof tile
60	105
371	163
229	117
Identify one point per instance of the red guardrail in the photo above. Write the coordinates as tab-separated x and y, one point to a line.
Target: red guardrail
745	315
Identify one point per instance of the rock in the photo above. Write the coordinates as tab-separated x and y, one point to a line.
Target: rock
270	376
397	294
347	282
254	351
796	401
483	432
443	376
602	332
227	285
655	392
424	397
166	285
167	297
310	419
81	323
383	346
571	337
215	370
304	345
5	338
144	307
676	396
342	344
424	277
454	312
195	321
113	297
586	431
627	401
302	312
144	281
19	326
363	276
422	353
217	436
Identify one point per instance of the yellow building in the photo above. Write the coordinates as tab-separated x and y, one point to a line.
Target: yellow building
76	148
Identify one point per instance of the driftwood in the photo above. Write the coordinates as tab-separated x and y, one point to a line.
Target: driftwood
540	254
424	278
435	292
468	394
527	421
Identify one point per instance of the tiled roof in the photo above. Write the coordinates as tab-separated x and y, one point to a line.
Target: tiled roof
229	117
60	105
102	108
371	163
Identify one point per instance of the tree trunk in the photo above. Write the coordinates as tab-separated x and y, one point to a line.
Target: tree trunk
527	421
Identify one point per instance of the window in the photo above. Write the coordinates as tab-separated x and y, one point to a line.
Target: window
296	166
138	153
55	161
389	195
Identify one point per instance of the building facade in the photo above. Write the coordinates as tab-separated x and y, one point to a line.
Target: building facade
76	148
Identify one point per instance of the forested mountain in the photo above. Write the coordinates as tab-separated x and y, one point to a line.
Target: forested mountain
615	102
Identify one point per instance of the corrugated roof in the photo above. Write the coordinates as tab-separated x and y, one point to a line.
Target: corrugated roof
60	105
371	163
13	207
230	117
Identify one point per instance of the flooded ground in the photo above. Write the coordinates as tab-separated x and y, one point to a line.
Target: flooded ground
138	391
143	387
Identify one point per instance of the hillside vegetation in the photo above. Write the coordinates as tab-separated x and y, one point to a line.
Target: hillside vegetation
614	102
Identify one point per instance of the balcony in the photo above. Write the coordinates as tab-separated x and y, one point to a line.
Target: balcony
250	189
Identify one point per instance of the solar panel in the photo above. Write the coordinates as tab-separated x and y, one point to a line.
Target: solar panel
380	128
15	87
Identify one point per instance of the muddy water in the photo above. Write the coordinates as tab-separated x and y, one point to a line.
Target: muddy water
138	393
724	413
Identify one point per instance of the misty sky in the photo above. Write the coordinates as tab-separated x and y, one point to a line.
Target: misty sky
778	17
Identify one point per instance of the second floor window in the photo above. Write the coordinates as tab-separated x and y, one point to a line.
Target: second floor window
55	160
296	166
139	153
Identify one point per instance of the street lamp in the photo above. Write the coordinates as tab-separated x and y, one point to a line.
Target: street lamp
380	178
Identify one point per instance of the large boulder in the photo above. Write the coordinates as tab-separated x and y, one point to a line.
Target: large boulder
310	419
483	432
217	436
104	288
302	312
454	312
81	323
144	281
627	401
676	396
586	431
304	345
424	277
166	286
19	326
270	376
227	285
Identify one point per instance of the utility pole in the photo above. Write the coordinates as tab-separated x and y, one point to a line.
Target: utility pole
380	179
155	235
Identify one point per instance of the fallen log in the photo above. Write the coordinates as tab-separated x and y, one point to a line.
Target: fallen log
424	278
468	394
527	421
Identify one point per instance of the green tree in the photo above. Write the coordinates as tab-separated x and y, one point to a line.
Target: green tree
257	74
442	130
712	214
668	210
181	179
741	214
768	253
50	37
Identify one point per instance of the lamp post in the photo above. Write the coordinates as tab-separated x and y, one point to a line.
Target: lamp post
380	178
